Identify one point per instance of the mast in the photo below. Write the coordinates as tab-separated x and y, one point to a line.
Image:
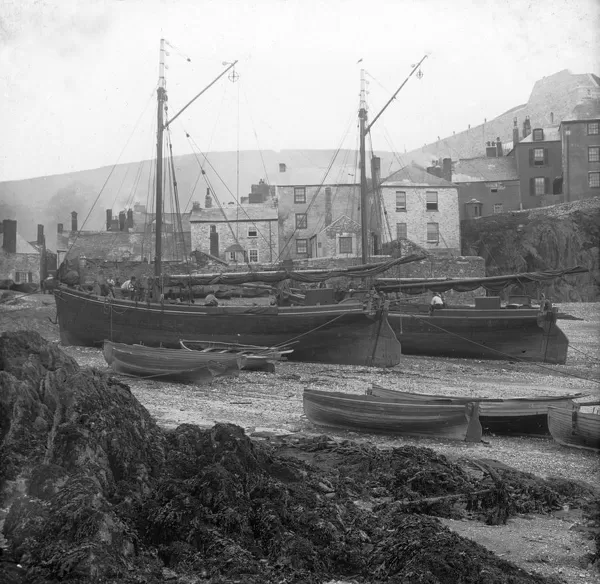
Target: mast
161	95
364	130
362	114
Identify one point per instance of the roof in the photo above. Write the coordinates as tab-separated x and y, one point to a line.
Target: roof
252	212
413	175
313	175
23	246
234	247
551	134
485	169
587	110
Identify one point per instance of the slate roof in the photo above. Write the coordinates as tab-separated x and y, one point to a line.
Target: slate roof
23	246
587	110
415	176
485	169
338	174
253	212
551	134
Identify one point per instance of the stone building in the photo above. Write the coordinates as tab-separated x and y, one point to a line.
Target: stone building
19	260
581	151
237	233
421	207
314	204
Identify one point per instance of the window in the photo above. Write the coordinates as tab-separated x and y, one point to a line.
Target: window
400	201
498	208
594	154
432	201
538	135
302	246
433	233
253	255
17	277
592	128
252	231
299	194
538	185
232	256
345	245
301	221
538	156
594	179
401	231
23	277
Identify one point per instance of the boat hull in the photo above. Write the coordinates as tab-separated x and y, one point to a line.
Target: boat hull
343	334
379	415
510	416
523	334
575	428
168	364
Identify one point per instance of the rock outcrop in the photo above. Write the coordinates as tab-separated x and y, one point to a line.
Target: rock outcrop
548	238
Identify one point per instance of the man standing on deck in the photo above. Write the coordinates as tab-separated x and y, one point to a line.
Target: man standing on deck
436	302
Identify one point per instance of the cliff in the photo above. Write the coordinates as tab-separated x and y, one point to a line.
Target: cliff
554	237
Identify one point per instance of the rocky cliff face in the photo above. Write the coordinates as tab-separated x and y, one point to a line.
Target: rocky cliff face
554	237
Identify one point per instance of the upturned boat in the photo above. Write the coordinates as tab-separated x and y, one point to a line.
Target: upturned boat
503	416
368	413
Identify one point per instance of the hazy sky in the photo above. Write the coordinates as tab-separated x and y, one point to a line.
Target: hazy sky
77	76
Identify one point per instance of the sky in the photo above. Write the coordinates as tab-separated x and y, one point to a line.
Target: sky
78	77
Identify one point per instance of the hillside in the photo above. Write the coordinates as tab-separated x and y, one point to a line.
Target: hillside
554	237
50	199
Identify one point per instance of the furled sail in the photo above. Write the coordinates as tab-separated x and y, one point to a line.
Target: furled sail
491	283
305	276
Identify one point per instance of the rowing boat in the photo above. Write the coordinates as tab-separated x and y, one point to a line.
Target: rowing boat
380	415
504	416
575	428
169	364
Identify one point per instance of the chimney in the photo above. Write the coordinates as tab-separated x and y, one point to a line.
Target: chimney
207	200
122	217
74	221
9	229
376	171
490	150
328	208
129	219
498	147
40	234
59	228
435	171
195	206
447	169
526	127
515	132
108	219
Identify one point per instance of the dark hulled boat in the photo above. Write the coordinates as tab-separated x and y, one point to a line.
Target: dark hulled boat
345	334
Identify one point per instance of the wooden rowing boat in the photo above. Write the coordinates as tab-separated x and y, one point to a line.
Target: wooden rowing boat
380	415
509	416
169	364
254	357
575	428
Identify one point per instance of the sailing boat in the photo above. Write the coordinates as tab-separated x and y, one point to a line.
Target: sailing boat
352	333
